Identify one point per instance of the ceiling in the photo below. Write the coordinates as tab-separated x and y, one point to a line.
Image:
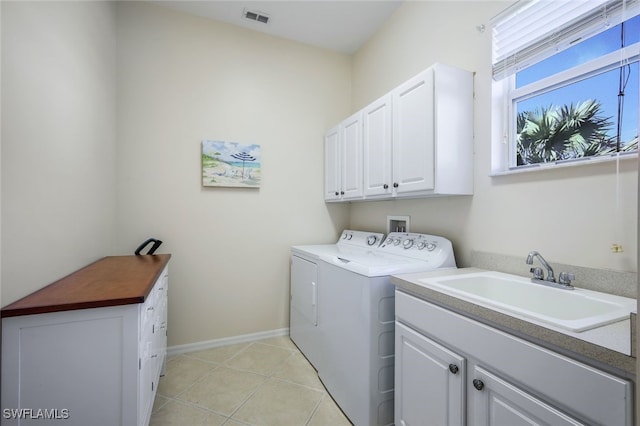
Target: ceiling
342	25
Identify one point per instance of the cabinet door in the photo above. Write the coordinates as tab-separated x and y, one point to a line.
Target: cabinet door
80	363
429	381
377	148
413	135
497	402
332	164
351	140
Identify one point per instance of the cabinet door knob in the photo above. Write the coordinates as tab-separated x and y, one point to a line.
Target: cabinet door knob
453	368
337	193
385	186
395	184
478	384
341	192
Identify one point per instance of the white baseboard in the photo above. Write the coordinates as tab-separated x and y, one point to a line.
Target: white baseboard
199	346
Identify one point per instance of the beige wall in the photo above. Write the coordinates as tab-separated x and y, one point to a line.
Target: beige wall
58	133
568	215
103	150
182	79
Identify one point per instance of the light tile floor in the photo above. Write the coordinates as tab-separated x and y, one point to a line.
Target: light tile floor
268	382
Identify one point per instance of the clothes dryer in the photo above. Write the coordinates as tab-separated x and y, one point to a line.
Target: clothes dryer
303	314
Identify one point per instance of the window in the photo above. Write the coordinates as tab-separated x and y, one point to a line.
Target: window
566	81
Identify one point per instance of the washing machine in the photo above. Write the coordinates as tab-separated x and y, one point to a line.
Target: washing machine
353	335
303	314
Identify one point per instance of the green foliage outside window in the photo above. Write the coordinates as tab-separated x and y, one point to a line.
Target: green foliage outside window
566	132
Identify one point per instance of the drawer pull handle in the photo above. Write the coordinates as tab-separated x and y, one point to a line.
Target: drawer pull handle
478	384
453	368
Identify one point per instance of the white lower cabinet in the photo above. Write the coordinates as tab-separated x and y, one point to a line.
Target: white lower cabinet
452	370
152	346
495	401
429	381
97	366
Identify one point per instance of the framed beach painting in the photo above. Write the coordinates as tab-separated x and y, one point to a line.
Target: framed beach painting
230	164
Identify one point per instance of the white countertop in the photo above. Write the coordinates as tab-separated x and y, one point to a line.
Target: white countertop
607	347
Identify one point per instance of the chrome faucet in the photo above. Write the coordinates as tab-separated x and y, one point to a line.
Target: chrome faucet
564	281
550	276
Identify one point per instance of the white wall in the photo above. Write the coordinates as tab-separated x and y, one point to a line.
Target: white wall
568	215
58	133
182	79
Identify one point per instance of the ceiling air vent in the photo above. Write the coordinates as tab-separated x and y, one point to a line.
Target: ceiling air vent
255	16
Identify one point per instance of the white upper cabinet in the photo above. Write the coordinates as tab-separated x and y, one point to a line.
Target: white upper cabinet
377	148
417	140
332	178
433	134
413	135
351	139
343	160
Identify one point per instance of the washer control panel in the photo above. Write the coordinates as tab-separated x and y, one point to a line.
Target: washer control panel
419	246
360	239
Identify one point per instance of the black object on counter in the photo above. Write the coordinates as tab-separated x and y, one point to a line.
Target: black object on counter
156	244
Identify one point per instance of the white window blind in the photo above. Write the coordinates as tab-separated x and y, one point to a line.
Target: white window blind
532	30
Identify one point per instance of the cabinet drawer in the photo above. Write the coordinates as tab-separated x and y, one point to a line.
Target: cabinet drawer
154	306
574	387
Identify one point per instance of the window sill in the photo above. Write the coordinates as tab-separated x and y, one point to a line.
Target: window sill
541	167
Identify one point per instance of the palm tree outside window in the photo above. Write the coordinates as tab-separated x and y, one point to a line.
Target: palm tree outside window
578	102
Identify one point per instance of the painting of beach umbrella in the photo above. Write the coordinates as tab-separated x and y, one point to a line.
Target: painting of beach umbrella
243	156
231	164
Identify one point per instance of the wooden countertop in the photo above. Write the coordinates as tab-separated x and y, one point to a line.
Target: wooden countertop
110	281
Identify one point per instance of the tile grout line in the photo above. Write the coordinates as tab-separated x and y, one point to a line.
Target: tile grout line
315	409
225	365
176	398
269	377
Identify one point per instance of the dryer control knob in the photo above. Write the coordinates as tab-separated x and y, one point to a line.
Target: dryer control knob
396	242
421	245
431	246
371	240
389	241
407	244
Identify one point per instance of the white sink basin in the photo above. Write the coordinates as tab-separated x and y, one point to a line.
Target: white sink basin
574	310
